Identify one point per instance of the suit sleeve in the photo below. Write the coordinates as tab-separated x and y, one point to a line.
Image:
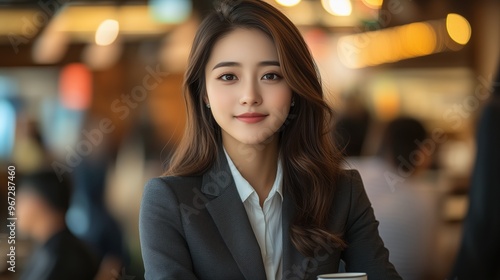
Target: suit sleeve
365	250
164	249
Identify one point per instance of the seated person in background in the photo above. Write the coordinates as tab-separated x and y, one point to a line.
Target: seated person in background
479	253
42	203
404	201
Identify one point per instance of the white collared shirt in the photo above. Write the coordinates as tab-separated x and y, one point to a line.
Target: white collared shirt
265	221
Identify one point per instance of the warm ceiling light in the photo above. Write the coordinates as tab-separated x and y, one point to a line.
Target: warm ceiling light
374	4
387	45
337	7
458	28
107	32
288	3
24	22
418	39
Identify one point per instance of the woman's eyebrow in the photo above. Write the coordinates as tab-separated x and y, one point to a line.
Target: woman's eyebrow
226	64
232	63
269	63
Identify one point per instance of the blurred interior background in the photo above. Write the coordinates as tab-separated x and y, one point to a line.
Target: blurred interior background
93	89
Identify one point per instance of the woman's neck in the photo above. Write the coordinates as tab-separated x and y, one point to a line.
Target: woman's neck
256	163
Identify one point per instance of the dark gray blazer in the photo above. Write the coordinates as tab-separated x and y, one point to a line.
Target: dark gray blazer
197	228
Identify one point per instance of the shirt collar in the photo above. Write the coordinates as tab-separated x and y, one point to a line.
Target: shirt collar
245	189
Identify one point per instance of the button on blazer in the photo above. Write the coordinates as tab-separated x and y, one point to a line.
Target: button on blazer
197	228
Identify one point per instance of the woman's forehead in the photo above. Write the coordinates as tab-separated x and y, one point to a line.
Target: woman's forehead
244	45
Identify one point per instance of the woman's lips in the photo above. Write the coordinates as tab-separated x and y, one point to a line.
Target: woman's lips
251	117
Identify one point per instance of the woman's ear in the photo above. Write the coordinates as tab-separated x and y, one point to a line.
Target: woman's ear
206	101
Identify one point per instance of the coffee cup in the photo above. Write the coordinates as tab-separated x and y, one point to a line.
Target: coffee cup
344	276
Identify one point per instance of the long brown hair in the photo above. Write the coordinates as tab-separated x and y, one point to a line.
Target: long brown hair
310	160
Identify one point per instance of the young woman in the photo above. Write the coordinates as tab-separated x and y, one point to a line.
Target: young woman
255	190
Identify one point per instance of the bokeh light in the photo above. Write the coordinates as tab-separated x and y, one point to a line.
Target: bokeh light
337	7
374	4
288	3
7	128
107	32
387	45
386	99
458	28
75	86
419	39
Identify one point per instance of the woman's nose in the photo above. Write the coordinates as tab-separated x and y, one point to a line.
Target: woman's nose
250	94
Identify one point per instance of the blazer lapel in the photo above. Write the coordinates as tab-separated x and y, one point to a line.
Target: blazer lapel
231	219
295	265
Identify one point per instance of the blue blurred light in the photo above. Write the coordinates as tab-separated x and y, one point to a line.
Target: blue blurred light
7	87
170	11
7	129
78	221
60	126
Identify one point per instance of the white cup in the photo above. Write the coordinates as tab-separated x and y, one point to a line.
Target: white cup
344	276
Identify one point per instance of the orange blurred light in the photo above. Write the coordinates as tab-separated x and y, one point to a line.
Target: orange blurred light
419	39
75	87
374	4
388	45
386	100
458	28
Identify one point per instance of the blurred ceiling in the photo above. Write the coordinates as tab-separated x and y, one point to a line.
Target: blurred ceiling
35	3
27	18
28	23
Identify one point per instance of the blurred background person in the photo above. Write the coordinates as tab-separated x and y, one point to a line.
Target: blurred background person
404	200
351	127
42	204
479	254
88	216
29	150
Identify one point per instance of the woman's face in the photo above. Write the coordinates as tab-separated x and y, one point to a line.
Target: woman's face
248	96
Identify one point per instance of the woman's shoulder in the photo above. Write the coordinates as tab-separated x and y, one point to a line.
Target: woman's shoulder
349	190
169	180
349	179
166	186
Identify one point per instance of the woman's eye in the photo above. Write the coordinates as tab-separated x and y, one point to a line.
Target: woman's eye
228	77
271	76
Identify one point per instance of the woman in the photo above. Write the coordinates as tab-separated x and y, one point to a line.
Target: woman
255	190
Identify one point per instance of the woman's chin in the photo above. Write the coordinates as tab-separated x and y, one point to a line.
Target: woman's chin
255	140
